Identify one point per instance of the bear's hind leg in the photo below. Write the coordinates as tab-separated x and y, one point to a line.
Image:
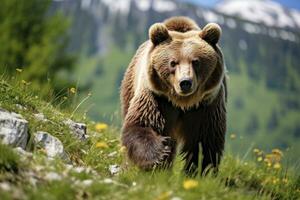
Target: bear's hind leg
191	156
211	158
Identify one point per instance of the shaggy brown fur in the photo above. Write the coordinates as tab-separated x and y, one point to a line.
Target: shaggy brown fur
158	113
181	24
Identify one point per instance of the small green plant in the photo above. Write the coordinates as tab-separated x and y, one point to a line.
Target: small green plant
9	160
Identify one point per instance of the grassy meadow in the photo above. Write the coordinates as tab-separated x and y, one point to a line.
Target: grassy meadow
98	168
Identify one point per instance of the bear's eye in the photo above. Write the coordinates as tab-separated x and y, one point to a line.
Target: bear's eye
173	63
196	63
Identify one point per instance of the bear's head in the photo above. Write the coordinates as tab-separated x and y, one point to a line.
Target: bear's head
185	66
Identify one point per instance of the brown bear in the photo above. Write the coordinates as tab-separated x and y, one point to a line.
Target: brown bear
174	92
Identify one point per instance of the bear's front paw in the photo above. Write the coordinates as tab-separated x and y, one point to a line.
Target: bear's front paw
166	150
158	154
147	149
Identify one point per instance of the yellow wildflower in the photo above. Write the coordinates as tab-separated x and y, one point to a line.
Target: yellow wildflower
259	159
73	90
101	127
256	150
275	181
19	70
122	149
101	145
190	184
269	164
273	158
233	136
270	157
277	152
277	166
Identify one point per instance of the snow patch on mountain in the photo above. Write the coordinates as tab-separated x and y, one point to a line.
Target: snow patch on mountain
212	17
157	5
267	12
296	15
231	23
86	3
123	6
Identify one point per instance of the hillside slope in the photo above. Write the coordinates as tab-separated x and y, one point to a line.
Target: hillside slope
97	168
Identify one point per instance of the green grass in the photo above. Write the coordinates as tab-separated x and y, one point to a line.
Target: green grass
88	176
9	160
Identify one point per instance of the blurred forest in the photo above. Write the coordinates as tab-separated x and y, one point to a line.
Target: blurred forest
34	41
43	38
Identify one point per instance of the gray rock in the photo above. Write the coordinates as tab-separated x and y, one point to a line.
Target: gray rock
21	107
114	169
112	154
32	176
108	181
79	169
51	144
87	182
13	129
176	198
5	186
24	154
40	117
78	129
53	176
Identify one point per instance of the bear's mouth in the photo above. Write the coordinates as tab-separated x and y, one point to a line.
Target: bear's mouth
184	93
185	101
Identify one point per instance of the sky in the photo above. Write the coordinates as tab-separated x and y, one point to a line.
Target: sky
288	3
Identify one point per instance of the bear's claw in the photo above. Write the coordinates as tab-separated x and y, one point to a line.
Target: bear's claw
165	152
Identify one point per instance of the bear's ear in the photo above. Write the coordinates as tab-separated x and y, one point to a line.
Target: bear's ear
211	33
158	33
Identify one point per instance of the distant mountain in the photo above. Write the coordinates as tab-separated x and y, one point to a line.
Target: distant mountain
267	12
140	14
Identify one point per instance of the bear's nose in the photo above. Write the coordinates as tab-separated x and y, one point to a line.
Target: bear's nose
186	85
